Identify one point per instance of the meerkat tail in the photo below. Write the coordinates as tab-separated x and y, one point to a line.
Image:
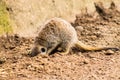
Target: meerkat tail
82	46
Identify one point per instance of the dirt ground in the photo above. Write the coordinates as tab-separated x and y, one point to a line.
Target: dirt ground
102	29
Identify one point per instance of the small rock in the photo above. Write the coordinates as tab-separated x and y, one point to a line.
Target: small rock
86	61
79	28
1	61
109	52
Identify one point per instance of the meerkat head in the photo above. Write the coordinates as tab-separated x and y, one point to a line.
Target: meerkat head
37	49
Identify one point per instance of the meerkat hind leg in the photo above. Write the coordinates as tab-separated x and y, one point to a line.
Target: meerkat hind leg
65	52
65	49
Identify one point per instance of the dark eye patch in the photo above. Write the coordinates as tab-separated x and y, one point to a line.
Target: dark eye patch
43	49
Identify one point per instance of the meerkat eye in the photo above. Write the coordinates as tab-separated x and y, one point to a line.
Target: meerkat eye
43	50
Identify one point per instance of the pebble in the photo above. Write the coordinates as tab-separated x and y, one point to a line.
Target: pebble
109	52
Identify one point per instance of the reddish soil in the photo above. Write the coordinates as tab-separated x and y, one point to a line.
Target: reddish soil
100	30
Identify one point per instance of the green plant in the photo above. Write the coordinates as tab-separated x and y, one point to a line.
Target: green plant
5	26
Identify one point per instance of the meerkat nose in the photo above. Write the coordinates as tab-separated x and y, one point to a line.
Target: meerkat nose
33	53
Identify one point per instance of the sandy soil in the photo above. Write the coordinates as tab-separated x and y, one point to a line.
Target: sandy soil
100	30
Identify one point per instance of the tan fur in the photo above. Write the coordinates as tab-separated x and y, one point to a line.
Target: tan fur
58	34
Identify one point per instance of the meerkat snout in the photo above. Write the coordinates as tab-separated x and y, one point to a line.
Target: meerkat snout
38	50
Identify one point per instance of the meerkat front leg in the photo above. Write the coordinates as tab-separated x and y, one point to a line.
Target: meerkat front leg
53	45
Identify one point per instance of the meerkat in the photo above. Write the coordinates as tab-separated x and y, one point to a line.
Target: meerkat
57	33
